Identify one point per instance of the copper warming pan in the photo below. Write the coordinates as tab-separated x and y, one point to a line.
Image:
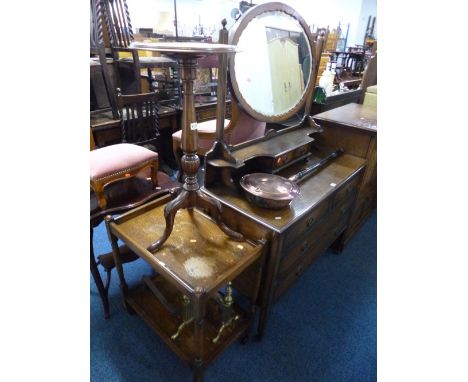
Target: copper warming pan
274	191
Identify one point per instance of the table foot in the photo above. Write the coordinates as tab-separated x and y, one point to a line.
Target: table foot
181	201
214	206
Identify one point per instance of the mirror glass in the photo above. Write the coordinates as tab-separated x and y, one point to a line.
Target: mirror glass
273	64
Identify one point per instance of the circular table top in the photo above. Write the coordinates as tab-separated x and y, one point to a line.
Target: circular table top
185	48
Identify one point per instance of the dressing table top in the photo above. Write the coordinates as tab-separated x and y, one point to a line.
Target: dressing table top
313	190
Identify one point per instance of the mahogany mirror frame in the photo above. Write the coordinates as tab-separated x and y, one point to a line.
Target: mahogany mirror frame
234	35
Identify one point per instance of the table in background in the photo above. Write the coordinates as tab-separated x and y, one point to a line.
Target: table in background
107	130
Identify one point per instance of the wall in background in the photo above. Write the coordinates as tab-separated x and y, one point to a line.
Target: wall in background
159	15
369	8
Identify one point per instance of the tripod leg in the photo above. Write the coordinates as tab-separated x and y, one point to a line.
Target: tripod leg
169	214
214	206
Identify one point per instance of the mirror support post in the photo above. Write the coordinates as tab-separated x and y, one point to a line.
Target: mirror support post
221	87
220	148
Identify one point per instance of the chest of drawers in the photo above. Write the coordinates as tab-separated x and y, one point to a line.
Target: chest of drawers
354	128
297	235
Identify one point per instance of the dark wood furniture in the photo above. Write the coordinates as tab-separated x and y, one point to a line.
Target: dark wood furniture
139	115
299	233
121	196
107	130
102	83
207	111
141	120
314	220
317	218
295	236
190	195
354	127
104	114
122	176
183	303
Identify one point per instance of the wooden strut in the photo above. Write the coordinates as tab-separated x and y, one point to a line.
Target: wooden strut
190	195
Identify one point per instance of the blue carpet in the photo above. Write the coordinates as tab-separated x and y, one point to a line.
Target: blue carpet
323	328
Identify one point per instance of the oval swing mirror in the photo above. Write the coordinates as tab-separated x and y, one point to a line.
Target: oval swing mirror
271	74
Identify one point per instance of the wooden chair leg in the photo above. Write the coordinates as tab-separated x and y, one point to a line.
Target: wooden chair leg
154	174
98	189
98	280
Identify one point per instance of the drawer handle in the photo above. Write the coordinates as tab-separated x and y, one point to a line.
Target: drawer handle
304	247
299	270
310	221
344	210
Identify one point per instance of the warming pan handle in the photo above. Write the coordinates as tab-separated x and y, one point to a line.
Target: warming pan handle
317	165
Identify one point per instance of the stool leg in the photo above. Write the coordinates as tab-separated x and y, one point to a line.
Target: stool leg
98	280
98	189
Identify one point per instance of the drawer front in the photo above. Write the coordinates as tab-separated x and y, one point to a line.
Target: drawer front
210	113
307	223
328	229
363	208
298	268
206	115
347	191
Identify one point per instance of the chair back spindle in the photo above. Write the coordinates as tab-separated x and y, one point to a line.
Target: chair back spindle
139	114
119	23
97	48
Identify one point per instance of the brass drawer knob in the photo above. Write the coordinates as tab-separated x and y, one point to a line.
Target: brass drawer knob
310	221
304	247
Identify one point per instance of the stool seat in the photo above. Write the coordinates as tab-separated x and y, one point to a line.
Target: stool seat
115	162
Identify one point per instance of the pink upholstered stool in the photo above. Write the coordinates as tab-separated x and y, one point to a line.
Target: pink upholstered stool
116	162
